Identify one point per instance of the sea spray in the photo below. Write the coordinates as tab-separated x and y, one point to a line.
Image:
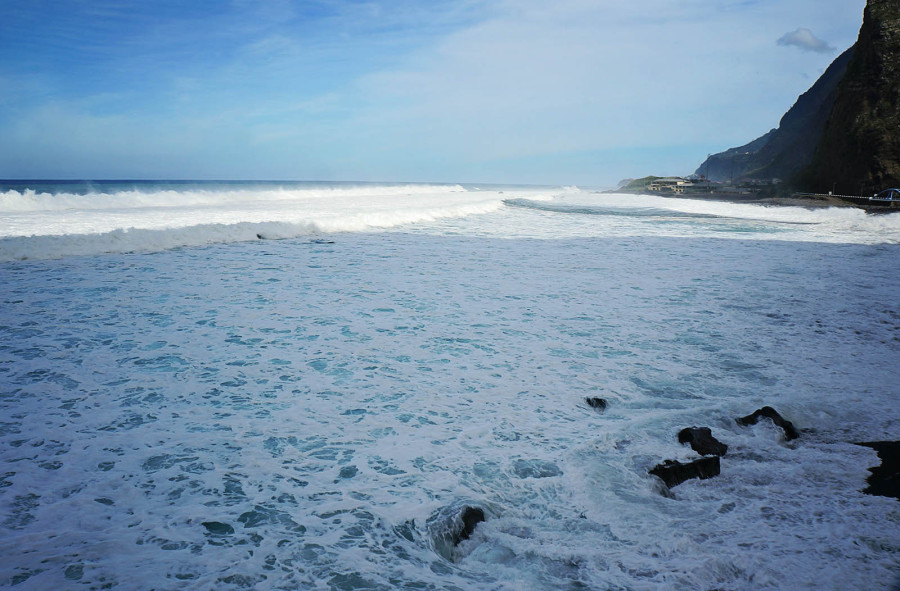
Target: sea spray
290	413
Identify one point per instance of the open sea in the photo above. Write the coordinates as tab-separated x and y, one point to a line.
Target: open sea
300	386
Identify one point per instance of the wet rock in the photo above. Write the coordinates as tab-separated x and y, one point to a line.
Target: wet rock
452	524
74	572
596	403
770	413
218	528
471	516
885	479
702	441
674	473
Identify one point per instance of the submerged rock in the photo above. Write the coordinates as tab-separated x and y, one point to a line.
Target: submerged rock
702	441
450	525
596	403
535	469
674	473
885	479
471	516
218	528
770	413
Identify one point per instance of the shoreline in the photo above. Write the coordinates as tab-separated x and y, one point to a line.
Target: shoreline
809	202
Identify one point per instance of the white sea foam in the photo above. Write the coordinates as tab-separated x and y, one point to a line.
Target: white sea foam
51	225
292	414
36	226
243	195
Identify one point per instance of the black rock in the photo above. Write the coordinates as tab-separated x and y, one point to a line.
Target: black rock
674	473
597	403
885	479
702	441
770	413
218	528
471	516
452	524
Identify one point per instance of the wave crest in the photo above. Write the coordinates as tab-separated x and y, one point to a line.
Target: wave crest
27	200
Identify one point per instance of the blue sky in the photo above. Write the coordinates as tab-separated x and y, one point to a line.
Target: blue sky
511	91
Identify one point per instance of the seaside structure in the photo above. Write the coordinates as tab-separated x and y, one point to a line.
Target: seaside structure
680	185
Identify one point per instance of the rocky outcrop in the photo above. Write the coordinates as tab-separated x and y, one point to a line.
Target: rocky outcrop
452	524
790	432
471	516
859	151
843	134
783	152
596	403
674	473
702	441
885	479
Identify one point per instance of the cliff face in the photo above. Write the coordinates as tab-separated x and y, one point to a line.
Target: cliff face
859	151
784	151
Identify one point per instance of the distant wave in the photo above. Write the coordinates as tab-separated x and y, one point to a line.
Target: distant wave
153	221
151	196
580	209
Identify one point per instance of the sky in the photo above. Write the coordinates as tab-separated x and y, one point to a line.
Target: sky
568	92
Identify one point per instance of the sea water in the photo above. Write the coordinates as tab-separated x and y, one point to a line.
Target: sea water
296	386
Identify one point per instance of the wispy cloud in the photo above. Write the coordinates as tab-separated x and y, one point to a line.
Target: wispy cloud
805	40
489	90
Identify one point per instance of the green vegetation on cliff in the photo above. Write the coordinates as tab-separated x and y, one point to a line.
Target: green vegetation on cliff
859	152
640	185
843	134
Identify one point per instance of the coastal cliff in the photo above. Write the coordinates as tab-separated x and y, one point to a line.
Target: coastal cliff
843	134
859	150
784	151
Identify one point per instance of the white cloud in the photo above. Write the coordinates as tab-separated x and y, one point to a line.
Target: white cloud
805	40
574	75
486	90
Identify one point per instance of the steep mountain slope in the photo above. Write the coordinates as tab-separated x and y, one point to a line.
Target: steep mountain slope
783	152
859	151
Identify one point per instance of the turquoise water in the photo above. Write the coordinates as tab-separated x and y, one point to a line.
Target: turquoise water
310	412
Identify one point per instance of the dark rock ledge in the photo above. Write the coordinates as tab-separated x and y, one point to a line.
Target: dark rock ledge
885	479
702	441
598	404
674	473
790	432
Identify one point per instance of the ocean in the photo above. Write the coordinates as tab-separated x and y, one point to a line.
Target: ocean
302	385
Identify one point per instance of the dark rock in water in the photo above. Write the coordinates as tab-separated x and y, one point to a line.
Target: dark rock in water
452	524
702	441
596	403
885	479
674	473
471	516
218	528
770	413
